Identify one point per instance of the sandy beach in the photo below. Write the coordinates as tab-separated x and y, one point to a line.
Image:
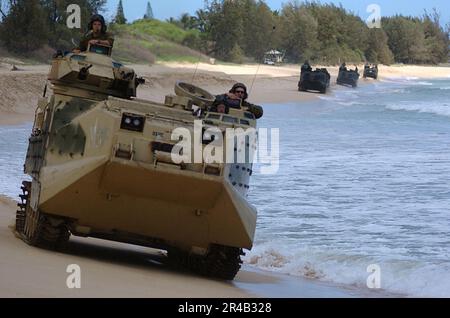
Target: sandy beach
19	90
111	269
118	270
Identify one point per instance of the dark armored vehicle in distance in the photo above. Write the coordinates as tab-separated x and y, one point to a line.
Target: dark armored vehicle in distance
318	80
371	71
348	77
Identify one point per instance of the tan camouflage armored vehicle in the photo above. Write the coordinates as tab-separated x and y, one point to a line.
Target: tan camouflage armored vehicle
101	166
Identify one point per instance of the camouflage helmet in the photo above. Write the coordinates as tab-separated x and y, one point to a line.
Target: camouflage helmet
99	18
239	85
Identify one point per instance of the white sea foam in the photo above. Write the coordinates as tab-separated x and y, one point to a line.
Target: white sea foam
349	103
424	83
407	81
405	277
328	98
411	78
442	109
13	146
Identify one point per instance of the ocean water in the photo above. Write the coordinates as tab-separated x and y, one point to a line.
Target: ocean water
13	148
364	180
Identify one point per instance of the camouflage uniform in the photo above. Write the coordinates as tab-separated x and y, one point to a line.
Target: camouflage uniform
84	42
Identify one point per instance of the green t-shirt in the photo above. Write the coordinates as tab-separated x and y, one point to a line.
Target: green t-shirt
84	42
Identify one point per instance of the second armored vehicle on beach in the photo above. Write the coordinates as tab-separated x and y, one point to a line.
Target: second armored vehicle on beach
101	165
318	80
348	77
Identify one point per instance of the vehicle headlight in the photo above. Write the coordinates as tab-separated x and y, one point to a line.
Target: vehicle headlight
133	122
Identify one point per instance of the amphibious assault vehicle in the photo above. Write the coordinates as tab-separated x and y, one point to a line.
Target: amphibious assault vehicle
318	80
371	71
101	165
348	77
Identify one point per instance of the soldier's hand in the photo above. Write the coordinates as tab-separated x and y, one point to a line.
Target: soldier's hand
232	96
221	108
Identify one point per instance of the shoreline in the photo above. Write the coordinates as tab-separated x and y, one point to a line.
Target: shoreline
20	90
124	270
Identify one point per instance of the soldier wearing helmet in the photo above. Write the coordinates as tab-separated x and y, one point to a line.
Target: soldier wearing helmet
236	98
97	34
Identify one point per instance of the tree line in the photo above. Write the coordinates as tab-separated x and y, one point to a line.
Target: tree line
243	30
326	33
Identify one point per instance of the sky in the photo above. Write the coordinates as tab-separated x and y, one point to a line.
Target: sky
164	9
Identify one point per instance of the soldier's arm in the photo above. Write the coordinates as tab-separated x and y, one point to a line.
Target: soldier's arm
107	40
256	110
111	40
83	44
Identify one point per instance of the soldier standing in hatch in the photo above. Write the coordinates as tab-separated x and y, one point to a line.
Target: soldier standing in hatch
97	34
236	98
306	67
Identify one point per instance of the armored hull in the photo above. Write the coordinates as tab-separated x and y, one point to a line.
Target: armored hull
371	72
348	78
102	166
318	80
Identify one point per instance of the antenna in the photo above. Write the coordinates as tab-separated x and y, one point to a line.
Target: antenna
196	69
259	65
1	11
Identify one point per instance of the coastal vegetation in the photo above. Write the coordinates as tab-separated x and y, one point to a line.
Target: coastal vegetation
234	31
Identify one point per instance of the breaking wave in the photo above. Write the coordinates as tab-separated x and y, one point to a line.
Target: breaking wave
442	109
406	80
404	277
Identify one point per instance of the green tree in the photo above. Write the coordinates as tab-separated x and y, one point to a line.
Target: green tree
120	15
311	30
149	12
406	39
340	34
436	38
258	23
202	21
188	22
298	32
236	55
226	27
23	30
378	49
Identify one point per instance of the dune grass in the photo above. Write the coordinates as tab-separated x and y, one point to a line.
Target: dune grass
148	41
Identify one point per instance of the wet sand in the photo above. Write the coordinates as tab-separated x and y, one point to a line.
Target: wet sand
110	269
